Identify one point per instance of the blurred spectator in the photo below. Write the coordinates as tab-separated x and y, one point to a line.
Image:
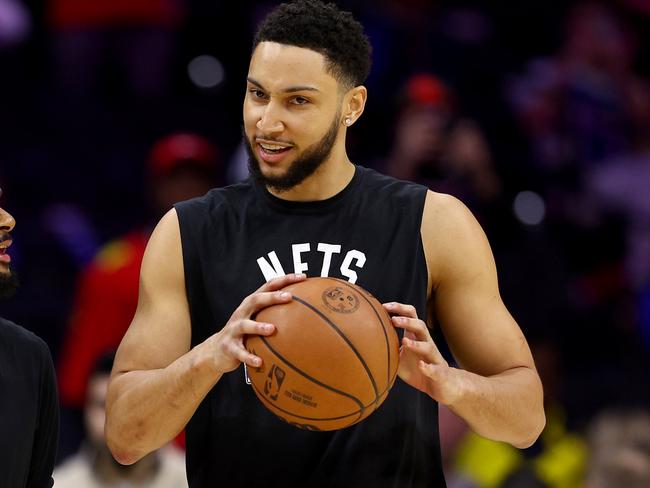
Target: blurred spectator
135	35
577	108
575	105
538	102
436	147
620	450
621	185
180	166
423	120
597	62
94	467
29	407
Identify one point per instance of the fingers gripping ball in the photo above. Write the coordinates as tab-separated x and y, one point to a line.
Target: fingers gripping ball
332	359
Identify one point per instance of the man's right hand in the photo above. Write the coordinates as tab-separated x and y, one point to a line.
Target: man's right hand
159	380
227	345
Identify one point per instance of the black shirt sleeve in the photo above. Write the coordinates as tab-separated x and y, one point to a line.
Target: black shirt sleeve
46	438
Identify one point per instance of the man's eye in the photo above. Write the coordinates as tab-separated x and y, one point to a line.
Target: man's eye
257	93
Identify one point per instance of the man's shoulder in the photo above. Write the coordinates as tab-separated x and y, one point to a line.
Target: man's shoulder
446	209
18	337
393	191
451	234
374	177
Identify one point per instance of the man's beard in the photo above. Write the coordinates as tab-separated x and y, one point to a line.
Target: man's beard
8	283
302	168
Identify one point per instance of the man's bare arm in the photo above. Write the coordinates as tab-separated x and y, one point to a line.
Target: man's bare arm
157	381
498	391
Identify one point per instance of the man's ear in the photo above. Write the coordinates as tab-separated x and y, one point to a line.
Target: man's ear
353	104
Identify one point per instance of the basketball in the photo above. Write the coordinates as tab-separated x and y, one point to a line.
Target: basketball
332	359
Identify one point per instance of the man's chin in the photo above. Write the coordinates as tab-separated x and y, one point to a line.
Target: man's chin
272	173
269	176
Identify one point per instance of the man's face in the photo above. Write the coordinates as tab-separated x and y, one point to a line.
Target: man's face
8	281
292	114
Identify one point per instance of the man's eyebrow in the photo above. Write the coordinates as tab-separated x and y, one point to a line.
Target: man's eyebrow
291	89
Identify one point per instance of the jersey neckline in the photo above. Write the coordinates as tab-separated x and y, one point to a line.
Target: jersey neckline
314	206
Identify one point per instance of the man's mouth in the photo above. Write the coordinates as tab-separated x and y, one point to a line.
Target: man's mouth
272	152
4	256
273	148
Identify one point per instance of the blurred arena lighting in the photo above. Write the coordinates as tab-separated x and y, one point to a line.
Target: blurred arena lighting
529	208
206	71
15	23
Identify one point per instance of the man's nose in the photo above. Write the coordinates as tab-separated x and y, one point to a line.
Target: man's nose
270	122
7	222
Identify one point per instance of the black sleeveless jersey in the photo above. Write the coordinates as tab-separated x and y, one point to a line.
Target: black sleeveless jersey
236	238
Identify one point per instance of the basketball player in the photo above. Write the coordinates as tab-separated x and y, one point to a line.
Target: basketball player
213	262
29	407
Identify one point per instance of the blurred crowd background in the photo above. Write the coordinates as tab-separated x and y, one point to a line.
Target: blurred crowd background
536	114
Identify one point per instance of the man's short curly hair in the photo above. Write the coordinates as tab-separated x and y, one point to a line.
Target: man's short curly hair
324	28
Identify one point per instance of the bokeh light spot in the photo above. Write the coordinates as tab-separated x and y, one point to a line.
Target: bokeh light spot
529	208
206	71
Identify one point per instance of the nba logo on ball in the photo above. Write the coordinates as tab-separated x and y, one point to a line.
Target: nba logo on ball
340	300
274	382
332	358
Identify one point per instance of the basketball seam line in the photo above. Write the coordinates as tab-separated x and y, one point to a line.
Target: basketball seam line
358	412
344	337
314	380
383	328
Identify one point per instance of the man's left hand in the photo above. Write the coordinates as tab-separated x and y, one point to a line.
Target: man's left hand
420	363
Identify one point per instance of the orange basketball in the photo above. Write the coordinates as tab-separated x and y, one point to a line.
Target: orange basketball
332	359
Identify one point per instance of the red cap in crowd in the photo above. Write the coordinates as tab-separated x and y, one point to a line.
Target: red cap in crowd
182	149
427	89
